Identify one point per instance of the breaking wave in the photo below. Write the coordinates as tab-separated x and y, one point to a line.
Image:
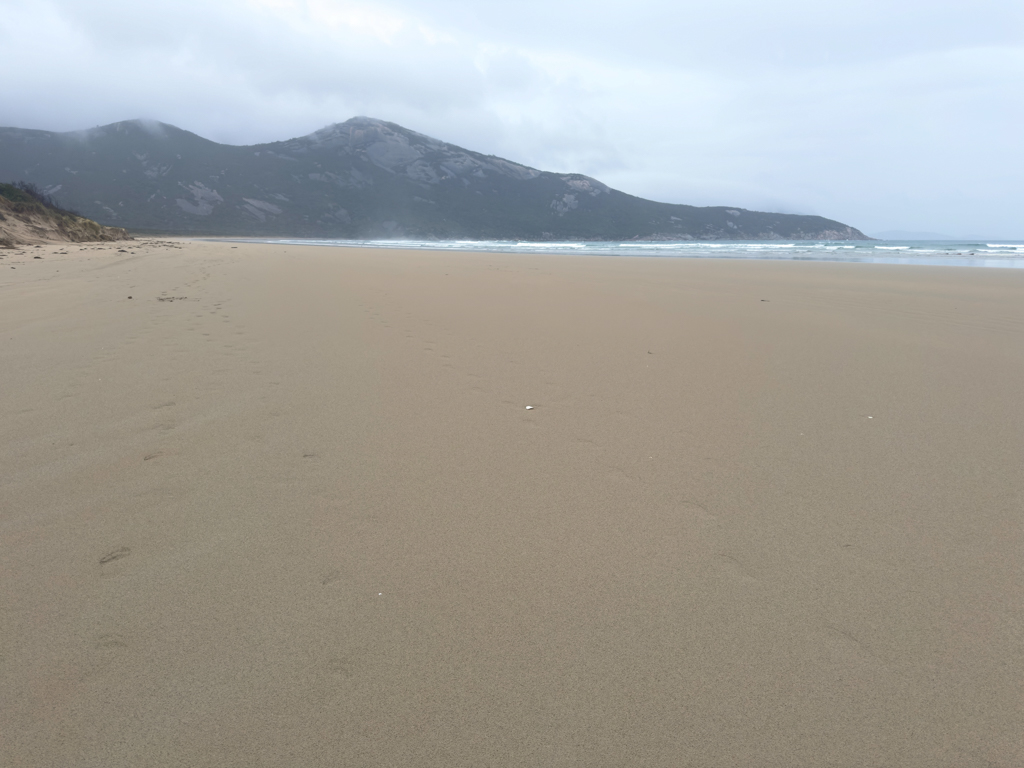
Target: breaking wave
925	252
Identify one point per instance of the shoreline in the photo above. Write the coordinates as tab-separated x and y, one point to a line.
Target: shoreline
998	254
287	505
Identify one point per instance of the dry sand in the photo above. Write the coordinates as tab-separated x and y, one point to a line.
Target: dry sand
286	507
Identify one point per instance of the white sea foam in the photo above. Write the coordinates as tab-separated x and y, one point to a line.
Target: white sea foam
532	246
945	253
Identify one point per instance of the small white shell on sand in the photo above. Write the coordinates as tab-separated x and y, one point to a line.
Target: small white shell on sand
529	407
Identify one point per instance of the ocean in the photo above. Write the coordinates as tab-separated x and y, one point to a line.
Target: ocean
951	253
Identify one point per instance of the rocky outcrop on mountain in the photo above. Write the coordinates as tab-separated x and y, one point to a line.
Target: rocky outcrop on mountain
363	178
27	217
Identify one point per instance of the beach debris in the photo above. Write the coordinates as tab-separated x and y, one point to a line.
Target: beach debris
529	407
871	417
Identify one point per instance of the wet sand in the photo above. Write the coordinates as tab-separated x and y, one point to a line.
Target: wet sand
287	506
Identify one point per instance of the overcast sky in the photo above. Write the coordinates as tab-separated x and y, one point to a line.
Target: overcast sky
883	114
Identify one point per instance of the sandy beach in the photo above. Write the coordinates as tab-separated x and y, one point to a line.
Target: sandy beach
286	506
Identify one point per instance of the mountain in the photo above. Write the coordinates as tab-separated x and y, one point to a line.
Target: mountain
363	178
28	216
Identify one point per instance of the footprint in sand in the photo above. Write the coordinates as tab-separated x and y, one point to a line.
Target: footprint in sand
734	569
341	666
843	648
111	642
117	554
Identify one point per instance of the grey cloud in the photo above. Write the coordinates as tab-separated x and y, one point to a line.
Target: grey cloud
731	34
885	115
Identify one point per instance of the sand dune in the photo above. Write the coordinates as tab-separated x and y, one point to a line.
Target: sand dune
29	218
286	506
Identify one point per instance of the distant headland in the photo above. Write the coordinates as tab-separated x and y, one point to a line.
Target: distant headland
363	178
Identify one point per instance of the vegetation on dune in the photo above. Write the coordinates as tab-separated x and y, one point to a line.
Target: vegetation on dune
27	204
26	196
